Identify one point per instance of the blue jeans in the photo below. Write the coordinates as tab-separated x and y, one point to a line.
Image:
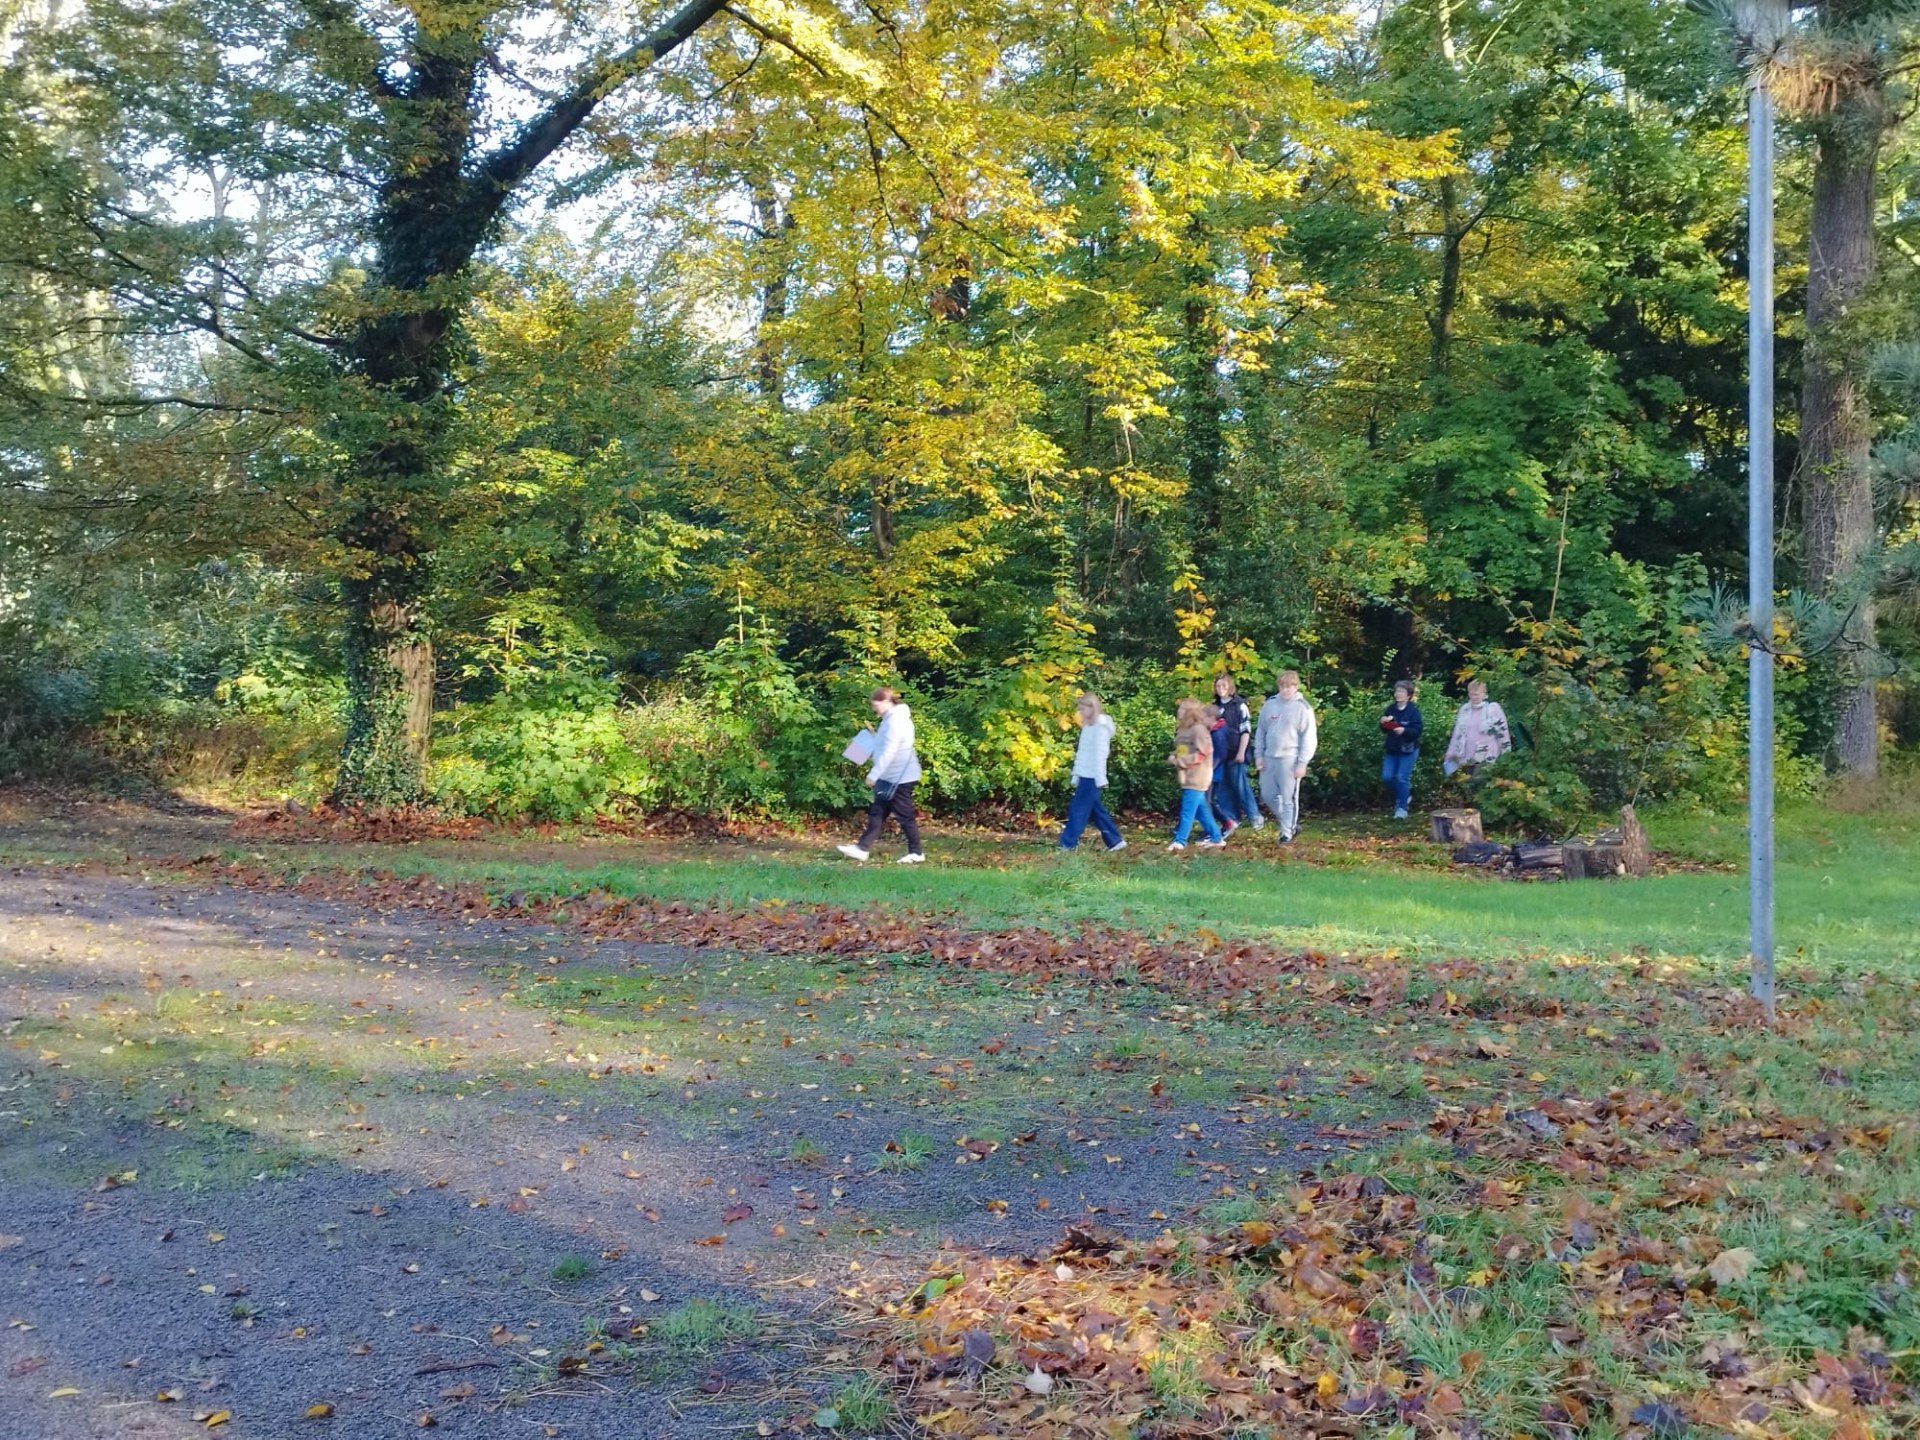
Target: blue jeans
1193	803
1086	806
1232	794
1397	771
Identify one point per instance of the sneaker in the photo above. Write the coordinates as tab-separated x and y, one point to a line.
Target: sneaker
1259	822
1176	845
1213	844
911	860
1286	839
1116	849
1229	828
852	852
1399	814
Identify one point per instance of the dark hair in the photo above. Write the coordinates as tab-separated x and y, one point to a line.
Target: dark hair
883	692
1406	685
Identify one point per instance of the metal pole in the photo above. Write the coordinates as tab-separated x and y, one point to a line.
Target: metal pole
1765	16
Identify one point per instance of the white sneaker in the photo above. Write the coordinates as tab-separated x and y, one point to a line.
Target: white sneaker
911	860
852	852
1259	822
1176	845
1399	814
1213	844
1116	849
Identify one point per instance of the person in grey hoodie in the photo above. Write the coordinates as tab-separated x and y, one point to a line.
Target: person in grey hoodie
1283	744
1090	776
891	776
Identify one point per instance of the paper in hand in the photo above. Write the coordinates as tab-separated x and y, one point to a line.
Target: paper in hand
860	748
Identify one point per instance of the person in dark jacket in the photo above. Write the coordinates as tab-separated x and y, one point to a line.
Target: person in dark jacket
1400	726
1232	739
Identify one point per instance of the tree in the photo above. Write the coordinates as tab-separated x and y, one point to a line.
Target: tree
1835	71
421	129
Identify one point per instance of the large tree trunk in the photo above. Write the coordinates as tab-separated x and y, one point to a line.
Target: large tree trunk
428	223
1836	425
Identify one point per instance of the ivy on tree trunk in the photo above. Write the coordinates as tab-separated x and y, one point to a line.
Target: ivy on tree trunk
438	201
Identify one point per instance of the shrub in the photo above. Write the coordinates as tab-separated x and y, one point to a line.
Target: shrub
550	749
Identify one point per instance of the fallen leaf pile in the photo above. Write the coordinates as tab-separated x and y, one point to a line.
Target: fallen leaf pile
1349	1308
1233	972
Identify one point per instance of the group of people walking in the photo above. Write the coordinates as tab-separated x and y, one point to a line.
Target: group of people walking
1214	745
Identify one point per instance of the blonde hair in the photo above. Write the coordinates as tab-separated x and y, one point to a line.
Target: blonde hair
1187	711
1289	677
1087	697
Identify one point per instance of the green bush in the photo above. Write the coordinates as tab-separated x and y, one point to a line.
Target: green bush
550	749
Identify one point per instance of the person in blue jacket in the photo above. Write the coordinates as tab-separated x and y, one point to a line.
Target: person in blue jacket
1400	726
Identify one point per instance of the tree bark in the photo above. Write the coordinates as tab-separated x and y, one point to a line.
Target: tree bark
773	229
1446	297
1203	340
1836	423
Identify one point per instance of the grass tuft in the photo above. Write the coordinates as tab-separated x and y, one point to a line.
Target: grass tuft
702	1324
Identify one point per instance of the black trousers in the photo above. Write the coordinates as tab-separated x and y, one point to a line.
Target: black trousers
900	806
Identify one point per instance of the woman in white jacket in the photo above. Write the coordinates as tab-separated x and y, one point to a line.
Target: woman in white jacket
1090	777
891	776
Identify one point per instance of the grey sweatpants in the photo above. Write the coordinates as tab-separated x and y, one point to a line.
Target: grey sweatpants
1280	793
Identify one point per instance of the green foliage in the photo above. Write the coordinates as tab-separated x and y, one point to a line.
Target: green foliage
551	749
1204	336
1027	729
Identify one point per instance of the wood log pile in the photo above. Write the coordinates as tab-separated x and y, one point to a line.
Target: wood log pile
1614	851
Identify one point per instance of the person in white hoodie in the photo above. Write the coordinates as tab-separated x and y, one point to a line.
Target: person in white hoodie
1090	776
891	776
1283	746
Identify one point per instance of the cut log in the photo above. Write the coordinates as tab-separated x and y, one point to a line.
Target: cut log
1530	855
1618	850
1456	827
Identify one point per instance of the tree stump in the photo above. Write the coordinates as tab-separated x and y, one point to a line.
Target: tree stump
1456	827
1618	850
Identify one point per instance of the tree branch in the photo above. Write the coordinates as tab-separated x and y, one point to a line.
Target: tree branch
506	168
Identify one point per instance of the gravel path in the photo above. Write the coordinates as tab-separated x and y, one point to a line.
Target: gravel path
261	1152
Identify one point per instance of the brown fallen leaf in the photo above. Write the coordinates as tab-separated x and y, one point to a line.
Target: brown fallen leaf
457	1392
7	1242
1730	1267
733	1213
213	1418
27	1366
711	1240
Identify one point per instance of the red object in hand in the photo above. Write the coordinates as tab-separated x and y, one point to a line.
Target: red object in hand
1386	723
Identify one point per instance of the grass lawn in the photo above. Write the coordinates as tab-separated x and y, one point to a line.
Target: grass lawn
1848	886
1459	1157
